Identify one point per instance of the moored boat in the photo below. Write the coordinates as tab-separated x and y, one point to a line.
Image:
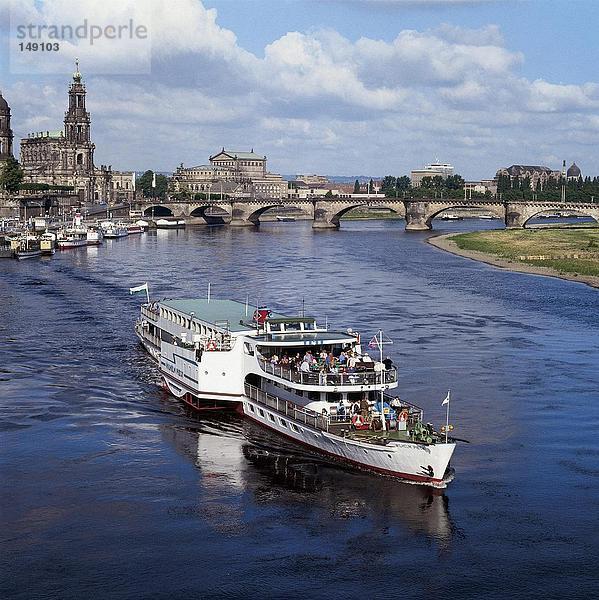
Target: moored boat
133	228
297	378
94	236
71	238
48	243
114	230
169	223
28	247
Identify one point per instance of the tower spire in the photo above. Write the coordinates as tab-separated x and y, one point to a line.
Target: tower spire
77	74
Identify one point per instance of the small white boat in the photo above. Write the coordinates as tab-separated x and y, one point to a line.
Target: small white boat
114	230
71	238
143	224
94	236
285	218
133	228
170	223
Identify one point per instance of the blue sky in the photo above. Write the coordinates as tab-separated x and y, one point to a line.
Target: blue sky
335	87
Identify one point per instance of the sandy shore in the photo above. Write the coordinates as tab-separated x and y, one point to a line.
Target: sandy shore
444	242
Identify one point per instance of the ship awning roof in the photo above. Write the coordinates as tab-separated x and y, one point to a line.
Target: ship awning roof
305	338
216	312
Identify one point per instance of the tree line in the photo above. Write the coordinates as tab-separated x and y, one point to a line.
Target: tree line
521	188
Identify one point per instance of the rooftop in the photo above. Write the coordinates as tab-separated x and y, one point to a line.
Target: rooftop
236	154
217	310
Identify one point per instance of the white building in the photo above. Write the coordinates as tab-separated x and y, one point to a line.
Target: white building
435	169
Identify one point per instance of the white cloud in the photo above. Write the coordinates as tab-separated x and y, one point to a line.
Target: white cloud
316	100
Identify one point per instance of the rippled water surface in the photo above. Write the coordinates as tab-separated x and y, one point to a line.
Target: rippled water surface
109	489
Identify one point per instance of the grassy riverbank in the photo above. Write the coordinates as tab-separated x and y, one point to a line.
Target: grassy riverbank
559	252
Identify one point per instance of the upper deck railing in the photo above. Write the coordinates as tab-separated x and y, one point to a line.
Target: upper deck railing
150	311
324	420
358	378
290	409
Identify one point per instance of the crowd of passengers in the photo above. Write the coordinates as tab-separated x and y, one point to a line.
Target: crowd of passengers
326	362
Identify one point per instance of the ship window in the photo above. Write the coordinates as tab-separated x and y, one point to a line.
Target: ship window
292	327
275	327
294	428
251	408
261	412
271	417
283	423
248	349
309	326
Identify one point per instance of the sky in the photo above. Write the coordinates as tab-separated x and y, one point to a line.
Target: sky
352	87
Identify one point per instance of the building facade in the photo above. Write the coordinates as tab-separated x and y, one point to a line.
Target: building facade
538	175
123	186
6	135
236	174
66	157
435	169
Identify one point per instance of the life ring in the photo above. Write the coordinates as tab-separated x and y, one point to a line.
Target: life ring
357	421
211	345
403	416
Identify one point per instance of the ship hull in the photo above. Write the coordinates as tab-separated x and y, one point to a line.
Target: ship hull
406	461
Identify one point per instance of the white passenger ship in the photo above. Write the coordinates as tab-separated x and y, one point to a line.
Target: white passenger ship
297	378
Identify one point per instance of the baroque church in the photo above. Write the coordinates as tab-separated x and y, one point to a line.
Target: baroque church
66	157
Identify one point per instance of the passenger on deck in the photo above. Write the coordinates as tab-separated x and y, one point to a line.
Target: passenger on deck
351	362
305	367
388	363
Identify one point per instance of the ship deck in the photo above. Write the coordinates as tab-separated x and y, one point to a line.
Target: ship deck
369	435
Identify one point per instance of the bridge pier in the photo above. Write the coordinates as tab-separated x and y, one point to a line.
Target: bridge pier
241	215
416	216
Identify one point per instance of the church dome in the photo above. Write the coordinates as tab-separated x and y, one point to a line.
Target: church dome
3	104
574	171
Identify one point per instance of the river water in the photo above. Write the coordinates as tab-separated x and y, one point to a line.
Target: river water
109	489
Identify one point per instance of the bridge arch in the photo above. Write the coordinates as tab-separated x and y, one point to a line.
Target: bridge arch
219	214
328	215
158	210
495	209
254	217
535	211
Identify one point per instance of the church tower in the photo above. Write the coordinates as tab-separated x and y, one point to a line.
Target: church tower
77	124
6	135
76	120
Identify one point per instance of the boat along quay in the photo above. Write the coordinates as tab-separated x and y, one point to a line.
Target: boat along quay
114	488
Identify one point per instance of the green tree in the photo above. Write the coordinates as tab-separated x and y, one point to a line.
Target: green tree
11	175
329	194
388	185
144	183
454	182
403	183
357	187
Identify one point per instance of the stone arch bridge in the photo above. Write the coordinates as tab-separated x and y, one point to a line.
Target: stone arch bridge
327	213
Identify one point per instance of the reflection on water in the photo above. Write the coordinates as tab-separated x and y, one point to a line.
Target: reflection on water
230	453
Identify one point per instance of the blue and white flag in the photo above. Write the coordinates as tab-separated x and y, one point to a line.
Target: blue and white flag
446	401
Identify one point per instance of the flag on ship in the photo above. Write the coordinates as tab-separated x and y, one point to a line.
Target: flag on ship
139	288
374	342
446	401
